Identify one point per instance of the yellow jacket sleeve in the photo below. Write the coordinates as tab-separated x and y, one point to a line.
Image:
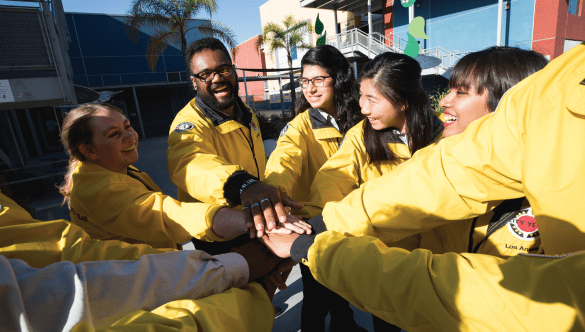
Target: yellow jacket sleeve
286	162
40	243
519	150
246	309
340	175
202	156
110	205
419	291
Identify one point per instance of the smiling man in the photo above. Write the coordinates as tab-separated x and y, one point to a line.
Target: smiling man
216	153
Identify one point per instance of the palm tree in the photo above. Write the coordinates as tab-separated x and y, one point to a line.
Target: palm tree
275	37
170	18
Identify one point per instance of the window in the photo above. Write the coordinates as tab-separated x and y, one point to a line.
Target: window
574	6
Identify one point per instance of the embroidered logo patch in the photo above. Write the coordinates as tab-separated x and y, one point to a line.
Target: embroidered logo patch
253	125
283	131
183	126
523	225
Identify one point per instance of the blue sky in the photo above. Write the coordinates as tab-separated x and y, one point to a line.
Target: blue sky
243	16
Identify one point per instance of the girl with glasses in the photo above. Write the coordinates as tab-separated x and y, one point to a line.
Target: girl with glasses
398	123
325	112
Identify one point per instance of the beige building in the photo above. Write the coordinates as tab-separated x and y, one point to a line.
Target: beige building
275	11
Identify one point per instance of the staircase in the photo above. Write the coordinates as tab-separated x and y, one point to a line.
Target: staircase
356	43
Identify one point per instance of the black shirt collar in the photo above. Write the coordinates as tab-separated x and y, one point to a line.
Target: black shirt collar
241	113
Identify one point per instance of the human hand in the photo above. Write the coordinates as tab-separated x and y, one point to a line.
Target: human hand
279	244
280	273
263	204
260	260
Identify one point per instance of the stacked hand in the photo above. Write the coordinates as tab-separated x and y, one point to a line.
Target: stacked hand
271	270
264	211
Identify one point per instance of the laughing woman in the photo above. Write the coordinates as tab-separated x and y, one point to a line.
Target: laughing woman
112	200
398	123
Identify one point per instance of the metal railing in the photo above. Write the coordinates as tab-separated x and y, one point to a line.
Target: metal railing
356	40
448	58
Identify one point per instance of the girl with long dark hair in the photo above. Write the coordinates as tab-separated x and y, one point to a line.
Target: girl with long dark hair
325	112
398	123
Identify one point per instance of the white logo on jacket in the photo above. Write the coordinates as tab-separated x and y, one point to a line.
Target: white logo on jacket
183	126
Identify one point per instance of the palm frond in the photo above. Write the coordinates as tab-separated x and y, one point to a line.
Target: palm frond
156	47
219	31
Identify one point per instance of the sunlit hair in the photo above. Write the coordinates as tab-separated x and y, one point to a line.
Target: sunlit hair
347	108
77	130
397	77
496	69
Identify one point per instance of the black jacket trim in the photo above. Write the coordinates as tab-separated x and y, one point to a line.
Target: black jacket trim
318	121
318	224
242	113
231	188
300	248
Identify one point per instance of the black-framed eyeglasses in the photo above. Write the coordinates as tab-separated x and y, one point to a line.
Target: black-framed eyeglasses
207	76
317	81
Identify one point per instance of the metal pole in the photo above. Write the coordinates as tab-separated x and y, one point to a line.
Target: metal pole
14	139
370	26
410	13
245	85
500	14
281	96
57	118
138	112
33	131
355	69
336	25
19	134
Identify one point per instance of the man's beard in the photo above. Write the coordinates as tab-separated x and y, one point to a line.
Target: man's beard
209	98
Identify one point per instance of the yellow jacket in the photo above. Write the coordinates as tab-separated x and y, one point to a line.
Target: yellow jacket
527	147
349	168
510	229
42	243
113	206
452	292
203	154
304	146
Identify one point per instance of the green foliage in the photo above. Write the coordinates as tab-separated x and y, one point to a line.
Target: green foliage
406	5
318	26
275	36
321	40
436	97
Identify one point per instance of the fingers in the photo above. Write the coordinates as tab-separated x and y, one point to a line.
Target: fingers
269	216
279	230
277	279
258	219
289	202
248	219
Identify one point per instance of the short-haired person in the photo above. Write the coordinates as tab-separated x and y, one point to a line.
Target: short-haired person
216	153
55	277
527	147
112	200
325	111
477	83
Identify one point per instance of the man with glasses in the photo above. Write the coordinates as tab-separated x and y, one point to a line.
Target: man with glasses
216	153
